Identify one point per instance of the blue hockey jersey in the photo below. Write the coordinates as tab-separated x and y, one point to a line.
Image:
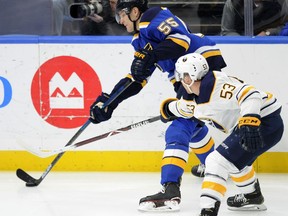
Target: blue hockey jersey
158	24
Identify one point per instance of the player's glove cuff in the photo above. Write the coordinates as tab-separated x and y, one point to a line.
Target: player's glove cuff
98	113
142	65
166	115
250	120
250	138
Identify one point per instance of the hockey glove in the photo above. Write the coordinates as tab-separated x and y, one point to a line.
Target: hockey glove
97	113
172	108
249	132
141	65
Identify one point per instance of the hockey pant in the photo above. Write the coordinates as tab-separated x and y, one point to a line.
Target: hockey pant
180	136
230	159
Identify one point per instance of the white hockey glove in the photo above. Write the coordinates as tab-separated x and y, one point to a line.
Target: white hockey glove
173	108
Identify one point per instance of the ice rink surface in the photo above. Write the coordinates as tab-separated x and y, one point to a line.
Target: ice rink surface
118	194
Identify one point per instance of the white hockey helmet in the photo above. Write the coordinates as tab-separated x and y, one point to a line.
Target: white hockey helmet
193	64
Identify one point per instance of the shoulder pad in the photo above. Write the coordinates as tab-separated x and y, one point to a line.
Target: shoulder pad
150	14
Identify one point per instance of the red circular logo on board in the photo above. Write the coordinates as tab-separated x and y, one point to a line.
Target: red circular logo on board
63	89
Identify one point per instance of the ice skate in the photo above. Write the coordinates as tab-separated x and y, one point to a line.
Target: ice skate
167	199
211	211
247	202
198	170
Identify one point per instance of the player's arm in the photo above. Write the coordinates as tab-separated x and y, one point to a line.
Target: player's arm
172	43
249	100
97	114
249	124
132	90
172	108
145	60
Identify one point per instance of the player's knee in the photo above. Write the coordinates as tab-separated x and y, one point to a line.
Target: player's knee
217	165
202	144
200	133
178	132
173	135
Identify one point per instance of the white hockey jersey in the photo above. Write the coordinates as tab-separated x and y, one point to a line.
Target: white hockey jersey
223	100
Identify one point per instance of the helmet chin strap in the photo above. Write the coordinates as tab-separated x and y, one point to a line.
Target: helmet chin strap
188	87
134	22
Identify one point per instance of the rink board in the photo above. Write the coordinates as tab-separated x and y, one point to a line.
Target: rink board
135	161
48	83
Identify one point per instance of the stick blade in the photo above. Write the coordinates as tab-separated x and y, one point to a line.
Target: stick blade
30	181
32	184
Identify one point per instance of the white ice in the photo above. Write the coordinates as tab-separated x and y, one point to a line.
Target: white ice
117	194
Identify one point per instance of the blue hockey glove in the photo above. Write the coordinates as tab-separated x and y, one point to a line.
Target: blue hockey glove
249	132
97	113
141	65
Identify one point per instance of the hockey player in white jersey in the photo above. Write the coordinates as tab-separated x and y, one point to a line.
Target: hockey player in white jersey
250	116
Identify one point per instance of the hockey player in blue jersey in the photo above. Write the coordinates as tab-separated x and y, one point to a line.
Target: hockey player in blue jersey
159	39
250	117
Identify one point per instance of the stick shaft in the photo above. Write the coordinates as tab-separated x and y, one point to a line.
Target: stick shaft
120	130
107	103
57	158
27	178
105	135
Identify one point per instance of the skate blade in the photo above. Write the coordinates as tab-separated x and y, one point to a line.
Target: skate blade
169	206
260	207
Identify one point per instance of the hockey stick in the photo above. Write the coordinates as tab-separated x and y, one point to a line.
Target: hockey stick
32	182
49	153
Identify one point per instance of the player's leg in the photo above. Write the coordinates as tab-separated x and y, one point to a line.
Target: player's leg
214	187
251	197
202	144
229	157
174	160
214	184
